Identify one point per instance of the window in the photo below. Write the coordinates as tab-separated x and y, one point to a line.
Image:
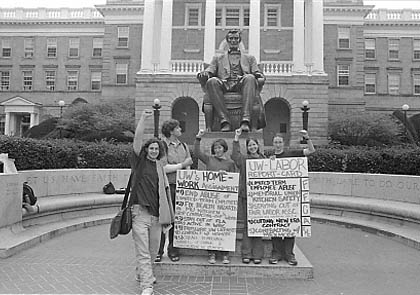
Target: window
98	44
123	36
27	80
52	47
393	48
28	43
232	17
416	84
74	44
50	80
416	49
193	17
95	80
370	83
393	84
121	71
370	48
343	38
5	80
343	75
72	80
6	48
272	16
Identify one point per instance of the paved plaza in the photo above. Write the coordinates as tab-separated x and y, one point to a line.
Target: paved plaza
346	262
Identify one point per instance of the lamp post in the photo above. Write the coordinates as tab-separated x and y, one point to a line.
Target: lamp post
405	108
61	104
156	114
305	110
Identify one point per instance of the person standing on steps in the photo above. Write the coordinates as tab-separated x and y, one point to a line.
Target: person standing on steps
178	154
217	161
252	247
283	246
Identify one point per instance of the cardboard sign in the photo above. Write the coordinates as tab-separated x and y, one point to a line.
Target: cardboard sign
278	197
206	205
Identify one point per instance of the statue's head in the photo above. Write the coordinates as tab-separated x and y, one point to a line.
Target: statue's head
233	38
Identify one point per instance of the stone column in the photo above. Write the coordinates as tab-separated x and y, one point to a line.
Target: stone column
166	36
210	30
148	36
254	29
33	120
298	36
318	37
7	124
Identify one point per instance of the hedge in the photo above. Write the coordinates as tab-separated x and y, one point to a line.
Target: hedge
32	154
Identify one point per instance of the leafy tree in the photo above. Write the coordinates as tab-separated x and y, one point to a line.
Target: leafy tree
365	129
103	120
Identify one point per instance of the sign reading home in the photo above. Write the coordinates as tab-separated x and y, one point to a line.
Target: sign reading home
278	197
205	210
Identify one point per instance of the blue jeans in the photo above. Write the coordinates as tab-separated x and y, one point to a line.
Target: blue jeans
146	234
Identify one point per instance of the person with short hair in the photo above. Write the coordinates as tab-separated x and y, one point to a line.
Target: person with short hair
283	246
178	155
217	161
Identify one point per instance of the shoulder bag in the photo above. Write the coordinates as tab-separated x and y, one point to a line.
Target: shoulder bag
121	223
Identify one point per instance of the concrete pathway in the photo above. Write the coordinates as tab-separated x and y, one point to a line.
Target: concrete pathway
346	262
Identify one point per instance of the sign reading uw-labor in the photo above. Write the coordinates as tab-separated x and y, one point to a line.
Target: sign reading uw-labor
278	197
206	206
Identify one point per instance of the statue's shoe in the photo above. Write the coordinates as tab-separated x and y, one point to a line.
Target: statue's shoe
226	127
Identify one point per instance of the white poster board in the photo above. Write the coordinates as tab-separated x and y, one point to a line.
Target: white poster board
206	205
278	197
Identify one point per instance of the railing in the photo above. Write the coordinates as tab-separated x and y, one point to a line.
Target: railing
49	13
393	15
194	66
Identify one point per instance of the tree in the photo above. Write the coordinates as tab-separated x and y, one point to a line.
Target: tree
103	120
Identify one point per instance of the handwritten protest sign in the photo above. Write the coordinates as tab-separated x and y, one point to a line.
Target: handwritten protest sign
205	210
278	197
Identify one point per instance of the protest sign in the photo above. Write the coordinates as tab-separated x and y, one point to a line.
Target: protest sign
206	206
278	197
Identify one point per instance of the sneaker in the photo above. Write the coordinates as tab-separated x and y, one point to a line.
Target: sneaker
212	258
174	258
292	261
225	259
158	258
147	291
273	261
246	260
257	261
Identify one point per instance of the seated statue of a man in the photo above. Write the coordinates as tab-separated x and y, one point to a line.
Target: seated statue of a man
233	71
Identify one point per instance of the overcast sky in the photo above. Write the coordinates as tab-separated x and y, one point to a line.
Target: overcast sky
86	3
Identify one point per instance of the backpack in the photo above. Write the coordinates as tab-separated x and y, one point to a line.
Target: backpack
109	188
28	192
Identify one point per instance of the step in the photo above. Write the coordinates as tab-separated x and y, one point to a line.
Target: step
198	266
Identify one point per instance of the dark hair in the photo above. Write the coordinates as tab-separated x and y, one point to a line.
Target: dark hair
256	141
233	32
143	151
168	126
277	135
221	142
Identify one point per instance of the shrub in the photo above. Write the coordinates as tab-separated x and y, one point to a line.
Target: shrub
365	129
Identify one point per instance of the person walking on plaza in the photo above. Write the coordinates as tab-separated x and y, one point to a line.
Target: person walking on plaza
283	246
252	247
177	155
217	161
151	203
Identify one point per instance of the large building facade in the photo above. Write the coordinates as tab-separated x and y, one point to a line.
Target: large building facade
339	55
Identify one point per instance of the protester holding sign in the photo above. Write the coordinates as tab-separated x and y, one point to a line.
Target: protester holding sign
252	247
151	203
217	161
283	246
